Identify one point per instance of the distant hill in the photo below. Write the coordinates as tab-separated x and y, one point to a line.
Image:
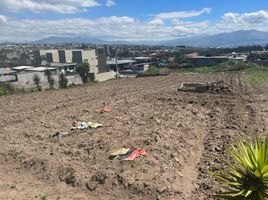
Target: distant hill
230	39
62	40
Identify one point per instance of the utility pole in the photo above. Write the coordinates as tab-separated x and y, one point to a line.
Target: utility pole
116	64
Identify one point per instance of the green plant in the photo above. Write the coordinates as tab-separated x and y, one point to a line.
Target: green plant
82	69
50	79
63	81
43	196
247	176
152	71
12	186
6	89
36	80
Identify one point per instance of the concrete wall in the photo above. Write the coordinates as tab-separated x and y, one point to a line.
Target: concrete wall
74	79
90	56
69	56
104	76
55	54
25	80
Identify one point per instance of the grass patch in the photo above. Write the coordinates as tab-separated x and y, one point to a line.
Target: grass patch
229	66
256	76
152	71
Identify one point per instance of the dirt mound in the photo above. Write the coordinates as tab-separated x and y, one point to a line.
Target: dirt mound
216	87
219	87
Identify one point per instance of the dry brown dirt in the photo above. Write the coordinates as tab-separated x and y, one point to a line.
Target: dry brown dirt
184	135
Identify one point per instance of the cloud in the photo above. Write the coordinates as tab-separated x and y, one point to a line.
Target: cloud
236	21
110	3
109	28
182	14
126	27
3	19
157	22
41	6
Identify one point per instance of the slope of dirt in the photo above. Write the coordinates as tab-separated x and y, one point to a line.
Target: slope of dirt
183	134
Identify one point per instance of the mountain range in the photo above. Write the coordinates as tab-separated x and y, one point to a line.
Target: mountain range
228	39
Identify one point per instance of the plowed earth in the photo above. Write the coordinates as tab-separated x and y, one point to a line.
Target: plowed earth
184	134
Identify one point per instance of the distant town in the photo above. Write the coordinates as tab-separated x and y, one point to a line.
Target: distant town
20	63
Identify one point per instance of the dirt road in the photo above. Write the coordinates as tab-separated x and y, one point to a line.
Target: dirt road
184	135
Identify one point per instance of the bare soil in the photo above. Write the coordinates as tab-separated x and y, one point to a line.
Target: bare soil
184	134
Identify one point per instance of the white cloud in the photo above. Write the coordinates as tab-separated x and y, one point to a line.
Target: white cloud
126	27
116	20
235	21
110	3
39	6
157	22
183	14
3	19
109	28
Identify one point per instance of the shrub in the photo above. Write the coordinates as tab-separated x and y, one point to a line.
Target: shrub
6	89
82	69
233	65
152	71
36	80
63	81
247	176
50	79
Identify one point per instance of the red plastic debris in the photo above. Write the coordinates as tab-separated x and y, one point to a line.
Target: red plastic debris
135	154
106	109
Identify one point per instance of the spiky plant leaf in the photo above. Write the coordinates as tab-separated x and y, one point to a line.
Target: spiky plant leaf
247	176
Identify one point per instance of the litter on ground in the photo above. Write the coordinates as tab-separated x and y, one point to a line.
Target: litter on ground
119	154
136	153
126	154
86	125
106	109
59	135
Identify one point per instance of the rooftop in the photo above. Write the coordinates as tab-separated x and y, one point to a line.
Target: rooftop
4	71
119	62
22	67
62	64
40	69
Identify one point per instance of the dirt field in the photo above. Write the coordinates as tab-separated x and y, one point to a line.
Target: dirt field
184	135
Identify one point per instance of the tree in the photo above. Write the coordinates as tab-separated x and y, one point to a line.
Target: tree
83	69
63	81
50	79
36	80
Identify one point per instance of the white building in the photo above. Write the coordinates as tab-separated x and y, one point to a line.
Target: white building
73	56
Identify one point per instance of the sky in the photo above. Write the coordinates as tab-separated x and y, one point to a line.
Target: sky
132	20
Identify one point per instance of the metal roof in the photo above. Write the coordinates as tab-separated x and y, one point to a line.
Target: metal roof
4	71
62	64
22	67
120	62
41	69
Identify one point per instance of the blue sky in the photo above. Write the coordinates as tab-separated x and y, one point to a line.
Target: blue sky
128	19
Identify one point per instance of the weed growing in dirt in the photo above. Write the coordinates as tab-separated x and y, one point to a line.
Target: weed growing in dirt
257	76
43	196
229	66
246	177
12	186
